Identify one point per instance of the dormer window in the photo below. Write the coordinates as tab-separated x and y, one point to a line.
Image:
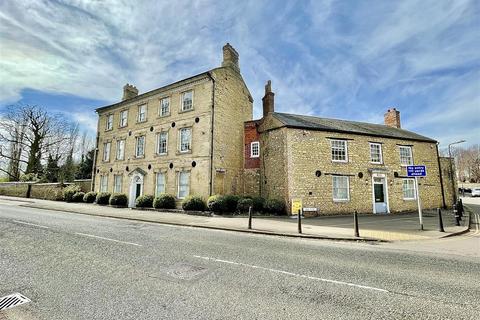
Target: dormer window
187	100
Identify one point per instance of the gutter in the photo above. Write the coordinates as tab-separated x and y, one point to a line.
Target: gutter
210	190
441	178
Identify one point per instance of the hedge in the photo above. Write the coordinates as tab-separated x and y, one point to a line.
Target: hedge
194	203
90	197
164	201
103	198
145	201
118	199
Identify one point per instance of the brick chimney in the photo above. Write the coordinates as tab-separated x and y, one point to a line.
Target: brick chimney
392	118
268	99
129	92
230	57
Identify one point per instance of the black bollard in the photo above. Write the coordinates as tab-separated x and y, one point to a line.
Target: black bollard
355	224
456	215
249	217
440	220
299	221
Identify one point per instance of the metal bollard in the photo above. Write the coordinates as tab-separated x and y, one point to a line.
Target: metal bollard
455	214
460	208
355	224
250	217
299	221
440	220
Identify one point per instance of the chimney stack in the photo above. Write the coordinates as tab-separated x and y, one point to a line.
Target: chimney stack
129	92
392	118
230	57
268	99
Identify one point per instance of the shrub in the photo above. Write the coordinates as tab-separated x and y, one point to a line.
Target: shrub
244	204
258	204
194	203
164	201
145	201
275	206
69	191
216	203
118	199
78	196
90	197
231	202
103	197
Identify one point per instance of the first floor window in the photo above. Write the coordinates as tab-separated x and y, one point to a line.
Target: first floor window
340	188
255	149
106	151
187	101
375	153
103	183
120	149
110	122
409	189
339	150
117	183
185	139
406	158
140	146
162	142
164	107
183	184
160	183
123	118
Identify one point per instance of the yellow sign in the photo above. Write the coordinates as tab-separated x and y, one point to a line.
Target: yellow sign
296	206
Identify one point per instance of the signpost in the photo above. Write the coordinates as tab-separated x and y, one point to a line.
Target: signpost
417	171
296	206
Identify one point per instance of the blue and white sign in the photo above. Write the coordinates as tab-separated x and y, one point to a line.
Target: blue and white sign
416	171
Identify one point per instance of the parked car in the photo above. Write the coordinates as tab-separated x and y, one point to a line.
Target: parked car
475	192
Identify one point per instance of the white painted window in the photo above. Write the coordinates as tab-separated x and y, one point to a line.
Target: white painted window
255	149
409	189
339	150
140	146
185	139
164	107
120	150
187	100
117	183
162	142
103	183
183	184
109	125
160	183
142	113
406	158
106	151
123	118
341	188
376	153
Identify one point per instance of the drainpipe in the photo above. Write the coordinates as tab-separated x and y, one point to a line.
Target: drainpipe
211	133
94	166
441	178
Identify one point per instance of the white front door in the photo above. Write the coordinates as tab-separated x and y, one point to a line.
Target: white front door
136	189
380	197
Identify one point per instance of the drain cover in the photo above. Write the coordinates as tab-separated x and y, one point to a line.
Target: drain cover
185	271
12	300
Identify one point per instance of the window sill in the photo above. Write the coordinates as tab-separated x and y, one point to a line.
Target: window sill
161	154
163	116
255	157
409	199
341	201
143	121
183	152
340	161
108	129
183	111
121	127
139	157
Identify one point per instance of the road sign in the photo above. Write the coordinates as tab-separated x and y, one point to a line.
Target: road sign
296	205
416	171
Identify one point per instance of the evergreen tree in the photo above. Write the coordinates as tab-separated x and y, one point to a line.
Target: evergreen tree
52	169
84	170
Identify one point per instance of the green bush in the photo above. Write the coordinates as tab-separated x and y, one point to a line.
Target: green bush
78	196
118	199
216	203
258	204
275	206
90	197
103	198
145	201
244	204
194	203
164	201
231	202
69	191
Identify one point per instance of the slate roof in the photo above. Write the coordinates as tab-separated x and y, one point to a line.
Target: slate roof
345	126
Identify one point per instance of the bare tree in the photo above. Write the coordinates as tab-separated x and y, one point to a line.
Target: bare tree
468	163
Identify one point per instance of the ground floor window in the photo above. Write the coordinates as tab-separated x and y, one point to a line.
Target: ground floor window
160	184
409	189
103	183
117	183
183	184
340	188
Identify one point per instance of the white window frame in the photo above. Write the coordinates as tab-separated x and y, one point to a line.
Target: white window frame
158	192
103	183
106	151
182	108
413	185
139	113
333	189
161	112
187	185
122	118
158	143
332	142
120	155
380	152
180	144
109	124
409	148
117	187
137	139
252	149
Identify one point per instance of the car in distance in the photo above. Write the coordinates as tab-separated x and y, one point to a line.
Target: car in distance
475	192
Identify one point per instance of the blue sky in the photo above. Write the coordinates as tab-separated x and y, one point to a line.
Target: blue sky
339	59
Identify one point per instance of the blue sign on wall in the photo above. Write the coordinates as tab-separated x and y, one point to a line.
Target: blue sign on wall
416	171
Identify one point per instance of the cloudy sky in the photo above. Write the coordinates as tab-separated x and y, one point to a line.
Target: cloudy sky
342	59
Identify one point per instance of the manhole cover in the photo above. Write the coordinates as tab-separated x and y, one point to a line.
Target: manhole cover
12	300
185	271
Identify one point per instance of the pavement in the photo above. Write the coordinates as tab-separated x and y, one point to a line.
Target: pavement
76	266
391	227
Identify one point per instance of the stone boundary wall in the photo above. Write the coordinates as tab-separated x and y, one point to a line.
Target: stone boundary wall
47	191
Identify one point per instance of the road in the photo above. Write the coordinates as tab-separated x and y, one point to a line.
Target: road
74	266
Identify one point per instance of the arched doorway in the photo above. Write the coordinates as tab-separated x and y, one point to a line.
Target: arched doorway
136	188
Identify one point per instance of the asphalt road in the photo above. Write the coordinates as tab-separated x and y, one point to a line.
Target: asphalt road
74	266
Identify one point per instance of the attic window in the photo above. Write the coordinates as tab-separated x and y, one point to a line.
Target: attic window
255	149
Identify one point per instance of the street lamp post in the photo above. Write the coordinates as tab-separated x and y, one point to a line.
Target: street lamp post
451	168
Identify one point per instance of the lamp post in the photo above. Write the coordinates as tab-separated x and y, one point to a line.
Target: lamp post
451	168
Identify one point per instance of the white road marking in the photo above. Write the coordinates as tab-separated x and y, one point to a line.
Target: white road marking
103	238
31	224
294	274
370	222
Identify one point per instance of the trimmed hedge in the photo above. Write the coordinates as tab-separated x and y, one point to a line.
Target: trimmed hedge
78	197
258	204
69	191
275	206
194	203
216	203
118	199
231	202
244	204
164	201
103	198
90	197
145	201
